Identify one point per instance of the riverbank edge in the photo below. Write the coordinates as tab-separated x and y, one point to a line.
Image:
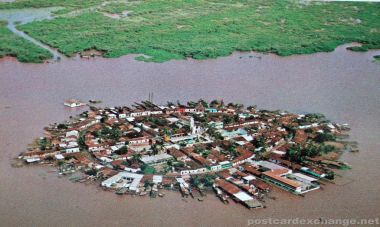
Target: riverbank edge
351	46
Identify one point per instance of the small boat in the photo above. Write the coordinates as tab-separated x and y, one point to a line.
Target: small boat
143	193
185	191
94	101
223	198
83	180
121	191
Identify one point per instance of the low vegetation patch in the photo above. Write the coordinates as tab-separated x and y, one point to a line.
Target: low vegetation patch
164	30
72	4
23	50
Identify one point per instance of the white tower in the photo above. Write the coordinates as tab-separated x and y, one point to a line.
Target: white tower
193	128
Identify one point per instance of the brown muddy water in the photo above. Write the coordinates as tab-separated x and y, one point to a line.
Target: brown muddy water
343	85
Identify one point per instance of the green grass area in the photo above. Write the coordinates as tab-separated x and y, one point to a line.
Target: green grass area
377	57
23	50
74	4
164	30
115	7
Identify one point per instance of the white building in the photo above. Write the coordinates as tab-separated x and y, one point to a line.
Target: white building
156	158
124	180
72	150
72	133
73	103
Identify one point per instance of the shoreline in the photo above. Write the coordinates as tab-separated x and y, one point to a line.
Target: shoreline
322	35
332	83
235	151
240	54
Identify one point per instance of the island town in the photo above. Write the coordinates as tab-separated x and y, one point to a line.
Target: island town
239	153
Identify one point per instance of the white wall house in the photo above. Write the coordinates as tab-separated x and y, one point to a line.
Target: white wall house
72	150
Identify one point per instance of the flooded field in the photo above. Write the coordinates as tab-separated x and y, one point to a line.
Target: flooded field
343	85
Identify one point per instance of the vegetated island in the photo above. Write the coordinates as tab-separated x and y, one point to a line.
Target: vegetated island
161	30
240	153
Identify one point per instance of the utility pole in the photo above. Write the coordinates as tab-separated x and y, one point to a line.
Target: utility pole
150	97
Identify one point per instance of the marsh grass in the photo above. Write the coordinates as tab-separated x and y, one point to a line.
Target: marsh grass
165	30
23	50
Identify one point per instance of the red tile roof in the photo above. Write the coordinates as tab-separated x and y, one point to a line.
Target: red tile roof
275	174
227	186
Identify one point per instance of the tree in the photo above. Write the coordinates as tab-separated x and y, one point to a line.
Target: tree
196	180
323	137
147	169
62	126
147	184
252	108
260	142
122	150
214	103
169	163
186	127
214	133
260	152
110	133
191	104
206	153
232	150
136	157
236	106
115	133
49	158
82	140
91	172
295	153
330	175
227	119
155	149
169	166
203	102
198	150
44	143
312	150
207	180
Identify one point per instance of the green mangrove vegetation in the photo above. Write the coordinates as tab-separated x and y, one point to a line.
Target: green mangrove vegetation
161	30
23	50
72	4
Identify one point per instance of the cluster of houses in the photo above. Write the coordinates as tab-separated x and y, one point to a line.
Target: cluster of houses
244	151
